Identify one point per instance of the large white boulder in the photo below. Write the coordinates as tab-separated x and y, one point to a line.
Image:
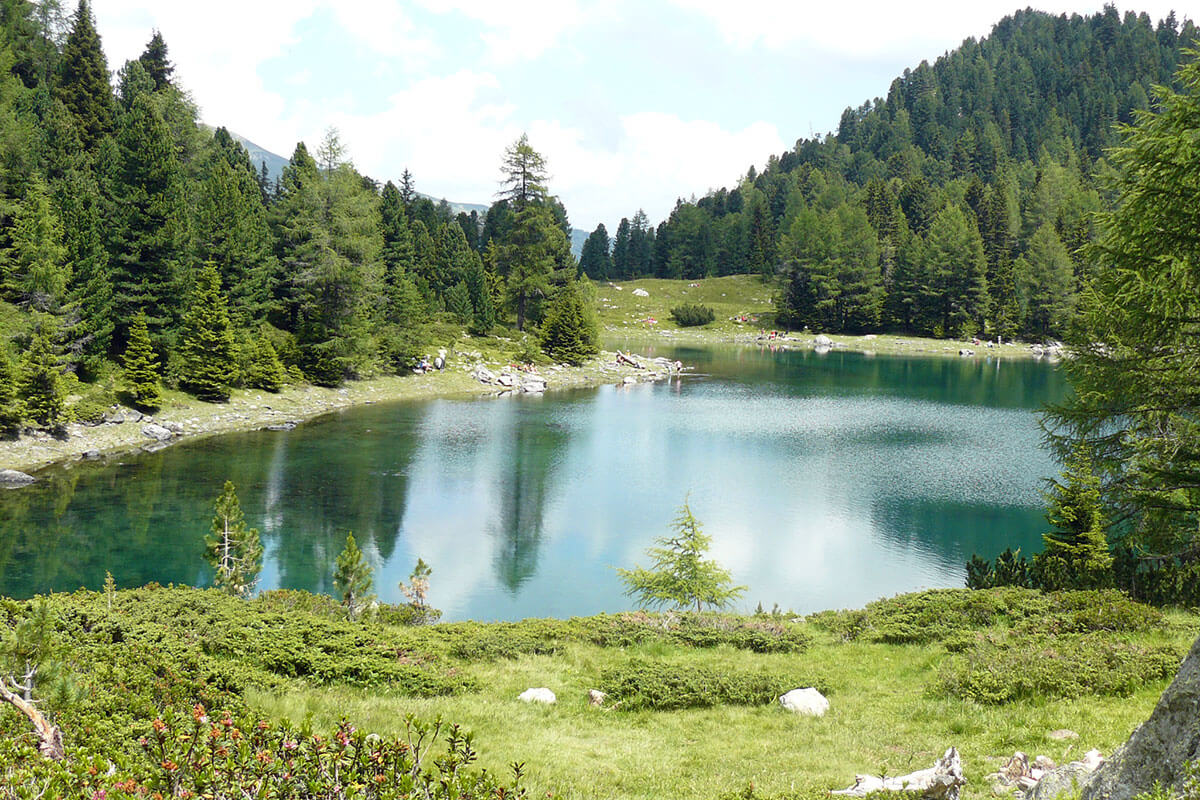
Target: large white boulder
822	341
640	293
541	695
805	701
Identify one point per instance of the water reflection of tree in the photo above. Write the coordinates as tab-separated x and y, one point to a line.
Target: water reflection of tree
524	489
331	483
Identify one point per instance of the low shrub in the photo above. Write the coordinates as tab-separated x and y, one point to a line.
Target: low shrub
193	754
657	686
944	615
1048	667
691	315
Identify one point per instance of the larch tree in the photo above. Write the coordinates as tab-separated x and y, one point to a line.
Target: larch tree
524	180
679	575
1135	353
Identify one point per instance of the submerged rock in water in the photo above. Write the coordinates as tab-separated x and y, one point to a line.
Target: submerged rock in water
12	478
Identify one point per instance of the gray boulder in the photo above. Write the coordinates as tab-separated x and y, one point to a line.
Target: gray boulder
1065	780
157	432
1161	747
12	477
823	341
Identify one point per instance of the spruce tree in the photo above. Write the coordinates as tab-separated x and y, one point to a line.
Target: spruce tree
152	229
233	550
265	370
37	258
10	405
569	333
1076	554
154	60
483	312
141	365
594	259
352	578
206	342
83	85
89	293
41	386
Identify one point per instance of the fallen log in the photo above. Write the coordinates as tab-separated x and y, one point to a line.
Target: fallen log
50	742
943	781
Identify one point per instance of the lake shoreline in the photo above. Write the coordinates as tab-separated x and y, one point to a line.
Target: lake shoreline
190	419
250	409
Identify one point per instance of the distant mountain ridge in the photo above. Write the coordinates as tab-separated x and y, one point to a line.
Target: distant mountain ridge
275	164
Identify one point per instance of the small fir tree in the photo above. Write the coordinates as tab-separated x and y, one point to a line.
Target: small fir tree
569	333
1077	553
483	317
265	370
141	365
207	344
234	551
679	575
352	578
10	406
41	386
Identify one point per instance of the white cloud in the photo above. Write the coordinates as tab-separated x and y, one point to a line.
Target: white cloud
517	30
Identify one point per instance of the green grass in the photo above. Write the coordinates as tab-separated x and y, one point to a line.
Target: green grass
620	312
884	718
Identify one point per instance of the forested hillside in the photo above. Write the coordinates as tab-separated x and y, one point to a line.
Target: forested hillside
133	236
955	205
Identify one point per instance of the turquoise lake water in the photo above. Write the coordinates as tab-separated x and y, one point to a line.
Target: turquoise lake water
825	481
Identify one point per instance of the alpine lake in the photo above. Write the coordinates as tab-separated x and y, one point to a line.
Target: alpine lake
825	480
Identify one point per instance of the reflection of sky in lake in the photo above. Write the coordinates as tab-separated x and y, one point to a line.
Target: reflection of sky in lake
823	481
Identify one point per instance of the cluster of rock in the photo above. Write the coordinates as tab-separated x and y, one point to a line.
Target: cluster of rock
1041	778
1050	349
943	781
510	379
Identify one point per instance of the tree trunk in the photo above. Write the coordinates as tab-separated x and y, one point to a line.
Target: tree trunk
50	742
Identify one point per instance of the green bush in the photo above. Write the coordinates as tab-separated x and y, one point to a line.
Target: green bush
691	315
644	685
943	615
1050	667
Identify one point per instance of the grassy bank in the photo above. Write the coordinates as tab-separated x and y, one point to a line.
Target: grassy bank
625	316
691	711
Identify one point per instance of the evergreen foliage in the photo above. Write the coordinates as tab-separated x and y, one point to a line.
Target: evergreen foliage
352	578
206	342
233	550
570	333
679	575
1076	554
40	386
265	370
691	315
10	405
141	365
82	84
1134	405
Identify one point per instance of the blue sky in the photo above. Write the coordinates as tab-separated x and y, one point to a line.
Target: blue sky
634	104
